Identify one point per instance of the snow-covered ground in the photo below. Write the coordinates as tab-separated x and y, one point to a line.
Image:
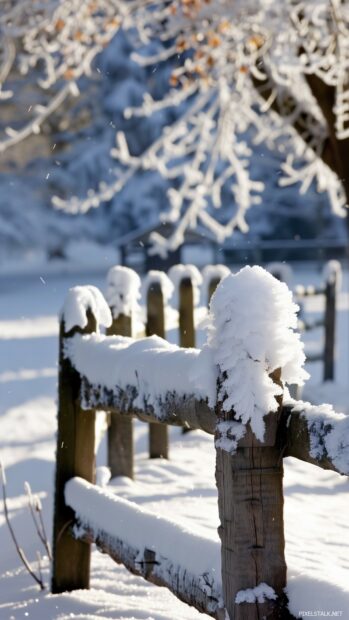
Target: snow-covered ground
316	501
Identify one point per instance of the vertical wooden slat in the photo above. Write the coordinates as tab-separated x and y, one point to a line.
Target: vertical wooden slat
213	283
74	457
186	313
250	501
158	433
330	329
120	429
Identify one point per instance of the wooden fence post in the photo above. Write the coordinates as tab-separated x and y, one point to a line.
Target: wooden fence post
330	329
158	433
250	502
186	313
75	456
120	429
212	285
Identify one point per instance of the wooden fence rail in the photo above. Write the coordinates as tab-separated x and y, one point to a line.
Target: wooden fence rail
249	478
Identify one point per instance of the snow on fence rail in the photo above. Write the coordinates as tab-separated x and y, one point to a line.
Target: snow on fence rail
234	389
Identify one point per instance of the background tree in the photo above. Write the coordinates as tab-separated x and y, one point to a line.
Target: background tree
242	74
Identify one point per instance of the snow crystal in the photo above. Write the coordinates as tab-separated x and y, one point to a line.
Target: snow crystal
211	272
328	433
78	301
177	273
159	277
332	271
122	294
103	511
253	319
151	364
260	594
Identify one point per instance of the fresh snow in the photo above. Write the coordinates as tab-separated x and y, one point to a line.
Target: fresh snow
250	338
103	511
78	301
332	272
151	364
181	489
122	292
260	593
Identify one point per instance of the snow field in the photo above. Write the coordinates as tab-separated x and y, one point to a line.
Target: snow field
182	489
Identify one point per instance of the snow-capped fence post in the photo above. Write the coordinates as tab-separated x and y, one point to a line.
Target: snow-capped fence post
122	295
256	350
75	440
155	325
186	280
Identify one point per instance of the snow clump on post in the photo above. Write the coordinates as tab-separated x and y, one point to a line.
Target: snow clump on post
158	277
251	334
78	301
123	290
178	273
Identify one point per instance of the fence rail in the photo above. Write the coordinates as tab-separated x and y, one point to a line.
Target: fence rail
249	477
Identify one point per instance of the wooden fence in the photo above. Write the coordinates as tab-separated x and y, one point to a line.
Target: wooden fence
249	481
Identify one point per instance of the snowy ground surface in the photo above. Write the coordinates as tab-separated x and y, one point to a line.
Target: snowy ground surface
316	504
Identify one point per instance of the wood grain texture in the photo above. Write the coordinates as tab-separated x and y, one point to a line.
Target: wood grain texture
74	457
120	429
158	435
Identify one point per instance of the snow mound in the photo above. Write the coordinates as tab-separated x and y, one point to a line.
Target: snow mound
122	294
78	301
251	333
154	366
157	277
177	273
103	511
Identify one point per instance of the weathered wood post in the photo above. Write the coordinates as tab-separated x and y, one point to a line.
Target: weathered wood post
249	470
75	454
158	433
330	328
186	313
122	293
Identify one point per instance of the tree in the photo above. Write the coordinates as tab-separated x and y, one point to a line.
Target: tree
242	73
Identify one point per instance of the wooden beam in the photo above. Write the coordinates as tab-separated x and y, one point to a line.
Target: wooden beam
175	410
155	563
305	430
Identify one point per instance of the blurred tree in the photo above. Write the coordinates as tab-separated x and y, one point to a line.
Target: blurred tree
242	74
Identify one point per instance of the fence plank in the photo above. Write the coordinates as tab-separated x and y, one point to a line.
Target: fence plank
330	329
250	502
74	457
158	433
304	430
186	313
120	429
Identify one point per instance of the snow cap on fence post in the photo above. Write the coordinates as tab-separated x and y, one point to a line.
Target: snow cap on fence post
123	290
161	278
78	302
252	335
332	273
180	272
